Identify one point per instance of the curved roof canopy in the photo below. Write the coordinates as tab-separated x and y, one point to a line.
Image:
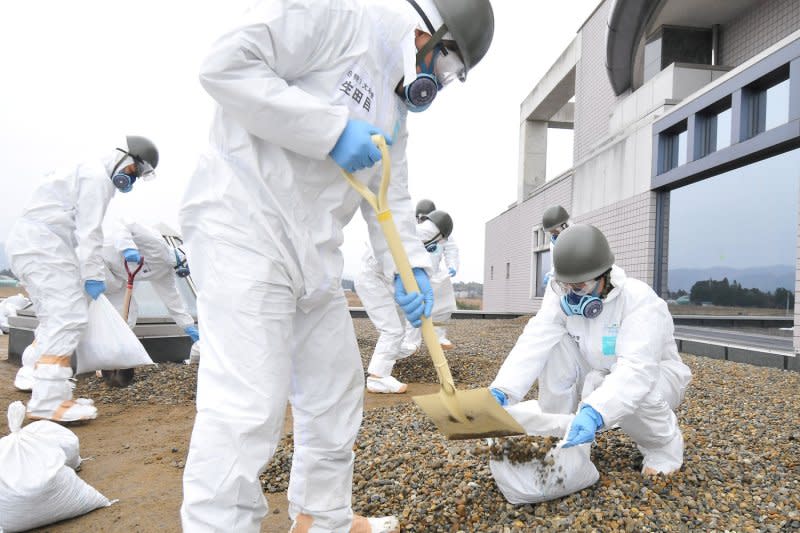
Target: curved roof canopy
626	21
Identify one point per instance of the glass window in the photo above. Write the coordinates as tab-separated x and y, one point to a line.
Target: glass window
508	270
674	149
722	129
777	105
732	240
543	266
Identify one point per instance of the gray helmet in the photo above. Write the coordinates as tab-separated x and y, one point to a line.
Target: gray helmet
582	254
553	217
471	23
443	222
424	207
144	149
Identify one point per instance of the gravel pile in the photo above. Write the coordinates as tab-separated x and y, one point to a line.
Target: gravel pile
741	471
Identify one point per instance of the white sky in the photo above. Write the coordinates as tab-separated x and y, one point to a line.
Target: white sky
78	75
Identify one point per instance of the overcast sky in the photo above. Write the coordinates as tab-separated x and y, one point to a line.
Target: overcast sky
79	75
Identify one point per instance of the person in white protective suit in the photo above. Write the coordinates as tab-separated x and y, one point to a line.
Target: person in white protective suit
55	250
601	345
435	229
301	87
374	285
162	265
554	220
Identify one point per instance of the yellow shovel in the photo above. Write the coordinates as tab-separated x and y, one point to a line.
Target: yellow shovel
470	414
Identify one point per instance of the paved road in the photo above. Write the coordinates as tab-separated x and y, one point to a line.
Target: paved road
736	339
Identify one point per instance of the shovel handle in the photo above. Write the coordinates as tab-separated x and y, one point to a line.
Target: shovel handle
380	204
126	305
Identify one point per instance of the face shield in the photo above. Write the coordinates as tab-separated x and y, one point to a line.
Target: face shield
144	170
448	66
583	288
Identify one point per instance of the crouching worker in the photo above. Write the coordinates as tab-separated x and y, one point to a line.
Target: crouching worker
602	345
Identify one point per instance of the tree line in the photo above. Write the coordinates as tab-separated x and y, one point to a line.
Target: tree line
732	294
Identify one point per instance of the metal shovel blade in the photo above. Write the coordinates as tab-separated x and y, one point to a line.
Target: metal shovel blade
484	417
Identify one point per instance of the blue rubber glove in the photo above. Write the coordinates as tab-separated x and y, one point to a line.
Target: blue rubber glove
192	332
416	304
584	426
131	255
94	288
545	279
500	396
452	272
355	150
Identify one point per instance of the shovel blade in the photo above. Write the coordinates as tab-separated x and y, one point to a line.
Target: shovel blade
484	416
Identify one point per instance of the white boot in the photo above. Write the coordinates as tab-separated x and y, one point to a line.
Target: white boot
51	397
361	524
386	385
24	379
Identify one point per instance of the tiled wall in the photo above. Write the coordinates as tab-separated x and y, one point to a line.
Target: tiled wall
630	227
594	98
509	240
758	29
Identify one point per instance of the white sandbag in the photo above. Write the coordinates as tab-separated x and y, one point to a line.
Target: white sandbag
36	487
563	470
108	342
9	308
61	437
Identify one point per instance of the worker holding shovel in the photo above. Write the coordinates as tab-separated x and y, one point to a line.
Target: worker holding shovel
301	88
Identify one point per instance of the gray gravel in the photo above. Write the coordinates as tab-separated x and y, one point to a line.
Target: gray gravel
741	470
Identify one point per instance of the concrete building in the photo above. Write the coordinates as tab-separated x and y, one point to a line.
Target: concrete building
686	121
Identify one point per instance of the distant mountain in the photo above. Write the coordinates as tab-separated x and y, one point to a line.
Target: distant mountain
766	279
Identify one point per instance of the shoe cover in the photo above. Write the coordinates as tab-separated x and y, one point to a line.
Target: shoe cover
386	385
68	411
24	379
383	524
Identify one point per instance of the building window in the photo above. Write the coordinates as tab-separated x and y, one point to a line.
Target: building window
714	127
508	270
491	272
674	149
765	103
709	264
541	261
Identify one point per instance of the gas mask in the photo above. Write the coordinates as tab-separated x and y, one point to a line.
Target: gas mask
581	301
444	67
124	181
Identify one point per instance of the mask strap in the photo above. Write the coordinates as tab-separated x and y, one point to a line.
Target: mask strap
113	172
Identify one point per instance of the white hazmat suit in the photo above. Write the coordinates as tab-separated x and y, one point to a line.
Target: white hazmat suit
263	219
158	269
444	300
624	363
54	247
375	287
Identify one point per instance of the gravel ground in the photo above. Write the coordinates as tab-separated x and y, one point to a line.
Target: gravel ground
741	471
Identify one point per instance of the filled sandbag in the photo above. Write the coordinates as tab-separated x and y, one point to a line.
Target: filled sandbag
559	472
36	486
108	342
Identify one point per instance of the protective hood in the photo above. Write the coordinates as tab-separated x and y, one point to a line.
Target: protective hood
408	44
427	230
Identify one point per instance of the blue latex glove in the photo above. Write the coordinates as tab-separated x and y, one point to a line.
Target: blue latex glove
452	272
192	332
545	279
131	255
355	150
416	304
500	396
584	426
94	288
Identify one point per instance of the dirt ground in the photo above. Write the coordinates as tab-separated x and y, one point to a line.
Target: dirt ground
136	454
